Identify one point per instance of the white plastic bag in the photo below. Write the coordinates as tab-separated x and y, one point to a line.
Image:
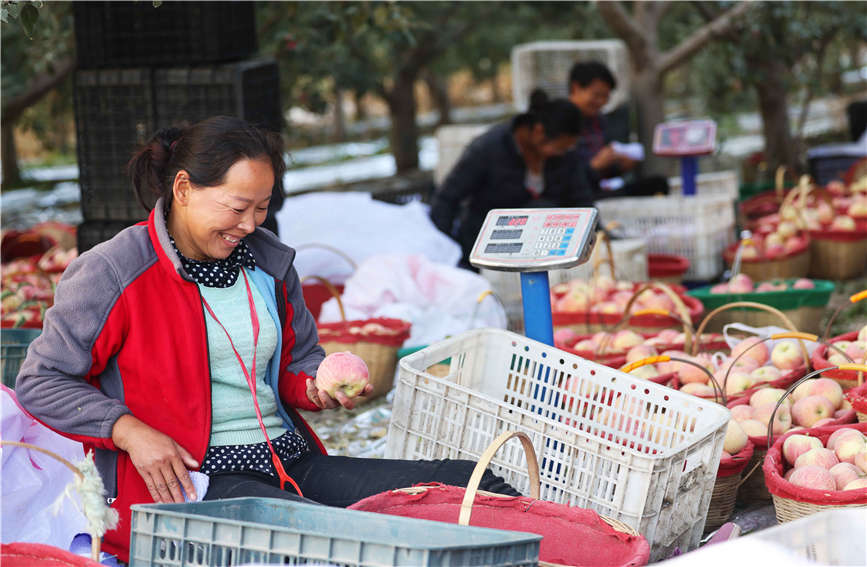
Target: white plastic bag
438	300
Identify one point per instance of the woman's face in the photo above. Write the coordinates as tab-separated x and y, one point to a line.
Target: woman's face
551	147
207	223
592	98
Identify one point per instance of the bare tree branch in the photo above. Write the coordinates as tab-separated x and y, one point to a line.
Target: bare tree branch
705	9
699	38
817	78
625	28
40	86
662	9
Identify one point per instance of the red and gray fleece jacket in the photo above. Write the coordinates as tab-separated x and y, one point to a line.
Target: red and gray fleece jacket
127	334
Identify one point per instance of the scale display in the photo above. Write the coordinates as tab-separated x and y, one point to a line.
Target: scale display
525	240
685	138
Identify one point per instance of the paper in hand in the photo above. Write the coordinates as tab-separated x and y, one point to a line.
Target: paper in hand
632	150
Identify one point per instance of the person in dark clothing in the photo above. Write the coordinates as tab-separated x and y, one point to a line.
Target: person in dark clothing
515	164
590	86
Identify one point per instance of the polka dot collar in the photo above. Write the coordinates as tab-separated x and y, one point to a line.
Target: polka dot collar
218	273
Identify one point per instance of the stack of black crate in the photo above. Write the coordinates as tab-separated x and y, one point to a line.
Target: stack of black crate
144	67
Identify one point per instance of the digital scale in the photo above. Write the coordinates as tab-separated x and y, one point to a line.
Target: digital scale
686	139
534	241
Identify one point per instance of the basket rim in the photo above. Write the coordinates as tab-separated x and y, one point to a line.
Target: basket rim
708	407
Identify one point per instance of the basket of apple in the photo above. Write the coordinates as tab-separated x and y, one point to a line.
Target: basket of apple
782	253
801	300
737	454
817	469
857	398
588	307
845	349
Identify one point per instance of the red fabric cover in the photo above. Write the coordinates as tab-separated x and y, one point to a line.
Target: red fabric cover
21	554
315	294
860	233
650	321
666	265
351	331
858	398
773	468
820	359
729	466
571	535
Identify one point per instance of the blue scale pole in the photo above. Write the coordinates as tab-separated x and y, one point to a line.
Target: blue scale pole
537	307
688	171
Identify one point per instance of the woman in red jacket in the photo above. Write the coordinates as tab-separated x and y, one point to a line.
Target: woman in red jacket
183	343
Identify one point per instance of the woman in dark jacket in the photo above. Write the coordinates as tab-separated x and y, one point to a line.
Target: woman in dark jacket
517	164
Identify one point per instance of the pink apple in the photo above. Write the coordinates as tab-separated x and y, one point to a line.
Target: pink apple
825	213
803	283
793	243
856	350
825	421
743	364
862	334
645	372
626	339
786	355
807	411
565	336
767	396
741	283
748	252
861	461
768	286
698	389
640	352
837	359
843	223
754	428
586	345
844	473
782	417
572	303
796	445
802	391
840	413
819	456
840	434
788	474
687	372
828	388
735	439
667	335
858	208
608	307
742	412
857	484
786	229
848	447
720	288
737	382
766	374
814	477
755	349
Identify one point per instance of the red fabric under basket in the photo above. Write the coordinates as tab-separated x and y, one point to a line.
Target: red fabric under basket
773	469
40	555
820	359
571	535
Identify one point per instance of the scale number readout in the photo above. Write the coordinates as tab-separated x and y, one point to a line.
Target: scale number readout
503	247
506	234
513	220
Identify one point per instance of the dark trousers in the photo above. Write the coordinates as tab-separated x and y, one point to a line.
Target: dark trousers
342	481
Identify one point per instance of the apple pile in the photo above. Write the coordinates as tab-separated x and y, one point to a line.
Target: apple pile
814	403
840	464
625	341
783	241
605	295
742	283
856	350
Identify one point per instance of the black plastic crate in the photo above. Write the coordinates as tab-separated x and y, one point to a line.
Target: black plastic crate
117	110
91	233
135	34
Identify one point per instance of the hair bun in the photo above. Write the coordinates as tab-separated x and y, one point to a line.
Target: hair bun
538	99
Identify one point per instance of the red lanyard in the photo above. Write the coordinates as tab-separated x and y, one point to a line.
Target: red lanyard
250	375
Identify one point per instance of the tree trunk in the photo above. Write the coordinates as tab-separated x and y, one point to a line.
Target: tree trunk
360	109
648	96
440	96
780	148
11	172
496	95
339	116
404	130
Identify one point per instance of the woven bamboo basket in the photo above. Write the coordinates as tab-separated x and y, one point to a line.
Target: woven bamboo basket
725	490
837	260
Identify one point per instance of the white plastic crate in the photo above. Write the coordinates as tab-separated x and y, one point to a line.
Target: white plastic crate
630	263
630	449
833	537
451	141
546	65
696	227
712	184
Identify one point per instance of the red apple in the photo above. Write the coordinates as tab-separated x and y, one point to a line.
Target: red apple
814	477
786	355
819	456
755	349
796	445
807	411
844	473
803	283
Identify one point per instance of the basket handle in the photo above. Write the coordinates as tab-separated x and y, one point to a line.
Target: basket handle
95	539
602	237
333	290
688	331
718	392
852	299
780	181
786	321
480	299
485	460
679	305
341	253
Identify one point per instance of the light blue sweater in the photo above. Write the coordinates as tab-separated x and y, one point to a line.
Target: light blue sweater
233	416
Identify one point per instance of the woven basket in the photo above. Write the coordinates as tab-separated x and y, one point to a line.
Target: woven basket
377	349
837	257
792	502
793	265
725	489
858	398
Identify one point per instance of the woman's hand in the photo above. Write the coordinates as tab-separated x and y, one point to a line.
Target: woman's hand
324	401
160	461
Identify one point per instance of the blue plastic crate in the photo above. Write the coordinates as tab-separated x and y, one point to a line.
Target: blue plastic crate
13	350
240	531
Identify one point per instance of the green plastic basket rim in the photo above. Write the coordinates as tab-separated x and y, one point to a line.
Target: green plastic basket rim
784	300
